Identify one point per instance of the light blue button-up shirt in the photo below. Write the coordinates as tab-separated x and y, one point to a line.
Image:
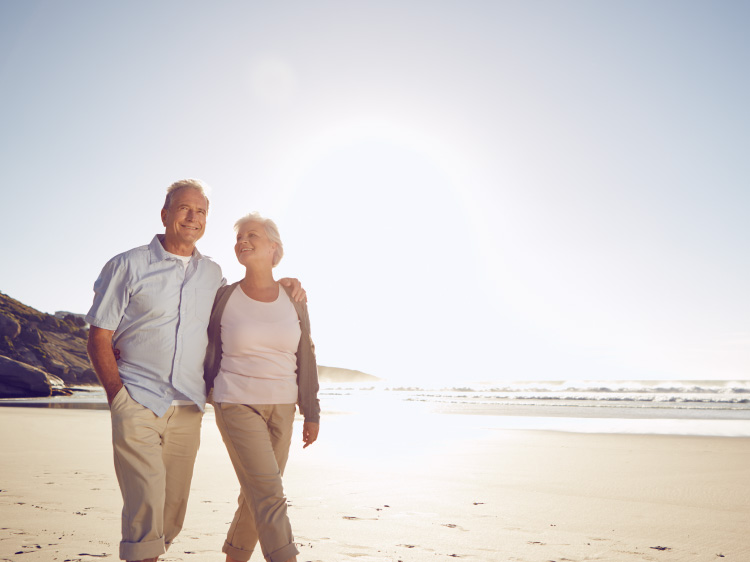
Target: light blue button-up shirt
159	310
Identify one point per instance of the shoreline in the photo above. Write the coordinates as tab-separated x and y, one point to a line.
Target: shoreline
592	418
388	489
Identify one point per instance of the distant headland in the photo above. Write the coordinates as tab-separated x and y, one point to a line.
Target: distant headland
338	375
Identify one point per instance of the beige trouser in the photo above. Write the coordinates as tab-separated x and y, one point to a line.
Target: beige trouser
258	438
154	458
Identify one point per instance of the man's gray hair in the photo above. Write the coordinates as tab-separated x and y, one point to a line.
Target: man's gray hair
272	231
182	184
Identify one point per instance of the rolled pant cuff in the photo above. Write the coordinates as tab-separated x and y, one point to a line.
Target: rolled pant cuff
283	554
142	550
236	553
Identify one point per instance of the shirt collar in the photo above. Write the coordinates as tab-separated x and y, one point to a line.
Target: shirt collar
158	253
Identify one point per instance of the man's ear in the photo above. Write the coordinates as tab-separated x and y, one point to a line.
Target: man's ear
164	217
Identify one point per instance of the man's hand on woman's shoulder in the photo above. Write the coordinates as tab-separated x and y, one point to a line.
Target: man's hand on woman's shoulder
298	293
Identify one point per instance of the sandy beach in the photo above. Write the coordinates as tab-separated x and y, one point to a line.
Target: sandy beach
393	488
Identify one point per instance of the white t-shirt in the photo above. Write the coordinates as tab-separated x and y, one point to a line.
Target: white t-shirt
259	346
184	259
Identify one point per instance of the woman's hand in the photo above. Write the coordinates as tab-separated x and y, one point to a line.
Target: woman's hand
298	293
310	433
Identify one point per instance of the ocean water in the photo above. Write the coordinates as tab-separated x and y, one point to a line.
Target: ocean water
710	408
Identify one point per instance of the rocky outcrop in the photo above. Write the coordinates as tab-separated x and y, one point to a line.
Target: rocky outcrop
43	343
9	327
19	380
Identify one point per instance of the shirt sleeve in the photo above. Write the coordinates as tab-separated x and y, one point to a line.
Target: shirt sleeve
111	296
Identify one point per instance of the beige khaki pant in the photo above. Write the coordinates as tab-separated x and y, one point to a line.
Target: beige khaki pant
258	438
154	458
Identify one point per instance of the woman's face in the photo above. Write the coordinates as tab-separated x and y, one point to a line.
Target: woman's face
253	245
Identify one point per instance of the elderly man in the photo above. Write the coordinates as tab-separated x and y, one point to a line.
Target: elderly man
153	304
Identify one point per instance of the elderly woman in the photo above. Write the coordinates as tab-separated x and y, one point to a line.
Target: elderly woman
260	363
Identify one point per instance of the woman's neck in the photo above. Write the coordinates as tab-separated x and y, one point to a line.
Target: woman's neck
260	285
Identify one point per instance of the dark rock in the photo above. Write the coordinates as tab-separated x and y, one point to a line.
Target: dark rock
89	376
51	323
55	367
69	350
81	333
9	327
18	380
7	347
75	320
55	381
31	335
84	375
25	355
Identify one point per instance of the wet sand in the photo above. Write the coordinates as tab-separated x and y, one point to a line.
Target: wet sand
394	488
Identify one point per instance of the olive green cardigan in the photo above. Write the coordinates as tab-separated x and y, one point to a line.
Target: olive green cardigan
307	369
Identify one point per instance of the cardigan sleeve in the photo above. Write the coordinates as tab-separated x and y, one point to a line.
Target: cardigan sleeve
307	367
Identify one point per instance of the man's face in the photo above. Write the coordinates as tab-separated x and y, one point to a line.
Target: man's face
185	219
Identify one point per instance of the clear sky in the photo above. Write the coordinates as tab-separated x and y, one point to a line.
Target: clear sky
468	190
